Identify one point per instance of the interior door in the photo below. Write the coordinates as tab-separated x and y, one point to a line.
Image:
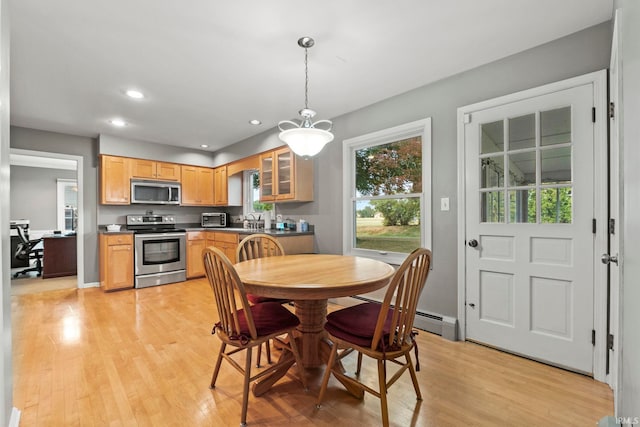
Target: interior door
529	193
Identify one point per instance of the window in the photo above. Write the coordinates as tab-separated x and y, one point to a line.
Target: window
251	194
67	204
387	192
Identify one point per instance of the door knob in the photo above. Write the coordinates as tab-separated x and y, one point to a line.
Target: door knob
473	243
608	259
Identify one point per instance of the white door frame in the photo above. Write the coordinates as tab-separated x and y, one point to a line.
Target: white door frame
599	81
81	211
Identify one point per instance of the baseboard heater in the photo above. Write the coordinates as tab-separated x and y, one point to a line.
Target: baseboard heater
444	326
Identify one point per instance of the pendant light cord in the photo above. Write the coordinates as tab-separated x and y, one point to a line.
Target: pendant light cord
306	80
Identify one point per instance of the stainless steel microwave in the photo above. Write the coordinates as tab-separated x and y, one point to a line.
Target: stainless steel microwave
214	219
155	192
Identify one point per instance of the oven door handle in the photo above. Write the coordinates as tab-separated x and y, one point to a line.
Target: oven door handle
157	236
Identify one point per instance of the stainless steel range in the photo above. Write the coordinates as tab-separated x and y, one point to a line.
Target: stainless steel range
160	250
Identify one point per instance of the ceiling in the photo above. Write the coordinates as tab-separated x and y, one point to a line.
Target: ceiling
207	68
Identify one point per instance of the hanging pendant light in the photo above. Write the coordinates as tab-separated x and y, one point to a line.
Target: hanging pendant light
305	138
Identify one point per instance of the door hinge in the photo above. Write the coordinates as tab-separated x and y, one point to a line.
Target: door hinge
593	226
612	110
466	118
612	226
610	342
593	336
593	114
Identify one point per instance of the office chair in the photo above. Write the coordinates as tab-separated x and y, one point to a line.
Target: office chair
27	250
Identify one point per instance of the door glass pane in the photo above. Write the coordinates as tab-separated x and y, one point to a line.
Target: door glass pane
556	165
522	168
391	225
556	205
492	206
555	126
267	176
522	132
522	206
492	137
492	172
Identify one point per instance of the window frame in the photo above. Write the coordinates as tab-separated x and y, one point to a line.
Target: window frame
420	128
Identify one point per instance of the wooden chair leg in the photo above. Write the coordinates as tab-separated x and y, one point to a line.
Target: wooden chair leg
414	377
245	391
259	356
359	363
327	373
267	345
216	370
382	380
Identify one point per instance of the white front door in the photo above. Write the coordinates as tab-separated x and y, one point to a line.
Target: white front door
530	207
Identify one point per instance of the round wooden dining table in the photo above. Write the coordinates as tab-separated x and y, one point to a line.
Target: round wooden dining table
310	280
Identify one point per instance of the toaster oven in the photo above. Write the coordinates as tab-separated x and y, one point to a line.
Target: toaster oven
214	219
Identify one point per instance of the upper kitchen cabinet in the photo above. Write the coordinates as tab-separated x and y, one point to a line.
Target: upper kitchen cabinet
197	186
285	177
115	188
149	169
227	188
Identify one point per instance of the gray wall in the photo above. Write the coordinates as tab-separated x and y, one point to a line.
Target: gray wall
576	54
629	386
51	142
34	195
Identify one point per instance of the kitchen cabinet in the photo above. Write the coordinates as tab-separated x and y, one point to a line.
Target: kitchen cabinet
221	192
197	186
198	240
116	261
227	189
115	187
150	169
285	177
227	243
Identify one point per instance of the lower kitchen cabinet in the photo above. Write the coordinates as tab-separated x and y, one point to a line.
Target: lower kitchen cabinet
198	240
116	261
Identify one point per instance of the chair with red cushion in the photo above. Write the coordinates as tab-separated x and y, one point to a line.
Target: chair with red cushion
383	331
260	246
243	326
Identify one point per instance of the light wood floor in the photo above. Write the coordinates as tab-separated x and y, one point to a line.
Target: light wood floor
144	358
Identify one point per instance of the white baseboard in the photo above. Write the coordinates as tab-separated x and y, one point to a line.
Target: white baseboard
90	285
438	324
14	421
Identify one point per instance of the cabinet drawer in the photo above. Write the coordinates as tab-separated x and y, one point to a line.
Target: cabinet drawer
119	239
196	235
226	237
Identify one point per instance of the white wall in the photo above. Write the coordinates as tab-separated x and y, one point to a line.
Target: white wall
629	114
6	374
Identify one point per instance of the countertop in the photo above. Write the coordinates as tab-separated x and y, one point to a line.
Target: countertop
239	230
246	231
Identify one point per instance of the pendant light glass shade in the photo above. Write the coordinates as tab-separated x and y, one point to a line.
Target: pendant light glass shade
306	138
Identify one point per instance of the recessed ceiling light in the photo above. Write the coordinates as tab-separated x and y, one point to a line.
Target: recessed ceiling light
135	94
118	122
204	146
255	122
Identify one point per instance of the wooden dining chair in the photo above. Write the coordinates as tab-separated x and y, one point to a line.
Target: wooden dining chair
383	331
243	326
260	245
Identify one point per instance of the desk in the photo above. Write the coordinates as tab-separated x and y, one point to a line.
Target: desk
59	256
310	280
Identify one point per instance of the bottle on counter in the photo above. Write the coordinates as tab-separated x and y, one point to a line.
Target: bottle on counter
267	220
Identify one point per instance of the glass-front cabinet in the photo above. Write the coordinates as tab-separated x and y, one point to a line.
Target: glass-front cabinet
285	177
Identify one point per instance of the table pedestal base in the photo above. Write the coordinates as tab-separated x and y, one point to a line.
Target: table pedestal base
313	346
